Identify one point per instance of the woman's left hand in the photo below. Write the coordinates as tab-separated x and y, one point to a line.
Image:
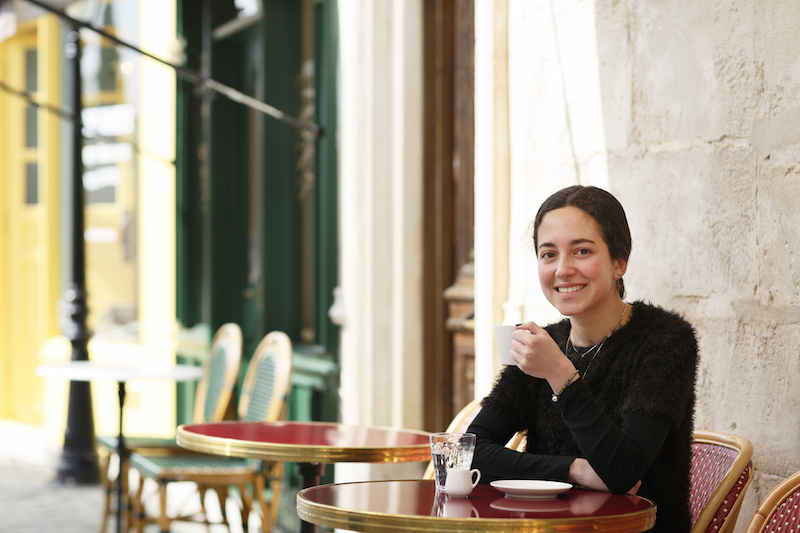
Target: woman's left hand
538	355
581	473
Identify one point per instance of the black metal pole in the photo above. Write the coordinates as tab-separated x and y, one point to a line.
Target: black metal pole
122	453
78	463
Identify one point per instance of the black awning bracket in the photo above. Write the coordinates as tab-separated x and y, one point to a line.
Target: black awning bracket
193	77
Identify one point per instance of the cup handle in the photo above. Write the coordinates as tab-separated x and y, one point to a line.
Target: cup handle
477	472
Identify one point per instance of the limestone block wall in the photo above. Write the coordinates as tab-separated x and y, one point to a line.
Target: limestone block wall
689	112
707	164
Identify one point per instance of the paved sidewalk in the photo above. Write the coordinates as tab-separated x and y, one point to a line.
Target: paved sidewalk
31	502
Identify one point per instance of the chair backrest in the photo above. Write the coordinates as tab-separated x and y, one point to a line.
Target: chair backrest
464	418
519	441
220	371
268	380
721	472
780	510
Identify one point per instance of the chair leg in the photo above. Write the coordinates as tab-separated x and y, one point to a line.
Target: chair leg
126	496
247	504
105	459
202	490
222	496
259	487
138	507
163	519
276	484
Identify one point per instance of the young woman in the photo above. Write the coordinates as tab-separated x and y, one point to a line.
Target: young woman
607	394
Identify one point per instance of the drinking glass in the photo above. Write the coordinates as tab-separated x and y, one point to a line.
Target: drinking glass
450	450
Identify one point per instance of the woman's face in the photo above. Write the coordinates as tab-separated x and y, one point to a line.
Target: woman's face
576	272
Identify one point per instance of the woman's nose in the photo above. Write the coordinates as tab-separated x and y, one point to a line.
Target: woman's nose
565	267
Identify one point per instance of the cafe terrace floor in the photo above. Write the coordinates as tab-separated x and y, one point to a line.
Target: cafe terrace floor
30	502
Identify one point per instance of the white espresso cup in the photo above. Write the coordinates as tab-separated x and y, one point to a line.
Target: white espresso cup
459	482
502	335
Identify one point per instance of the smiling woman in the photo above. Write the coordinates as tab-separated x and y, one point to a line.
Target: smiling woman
626	426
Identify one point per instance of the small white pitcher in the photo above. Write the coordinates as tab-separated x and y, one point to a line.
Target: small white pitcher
459	482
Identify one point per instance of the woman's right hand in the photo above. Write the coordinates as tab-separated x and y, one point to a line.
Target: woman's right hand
538	355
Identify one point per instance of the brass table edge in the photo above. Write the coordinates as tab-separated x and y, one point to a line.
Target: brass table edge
300	453
373	522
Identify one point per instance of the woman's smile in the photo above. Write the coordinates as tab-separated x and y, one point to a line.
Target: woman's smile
573	288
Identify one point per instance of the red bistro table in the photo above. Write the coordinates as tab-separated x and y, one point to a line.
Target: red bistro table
309	444
406	506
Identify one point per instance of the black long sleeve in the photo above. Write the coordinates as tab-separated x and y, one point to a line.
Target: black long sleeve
492	430
619	455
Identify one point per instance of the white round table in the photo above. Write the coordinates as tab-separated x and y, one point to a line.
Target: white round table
91	371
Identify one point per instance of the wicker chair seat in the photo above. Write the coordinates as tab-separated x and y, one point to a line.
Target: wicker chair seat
177	468
133	443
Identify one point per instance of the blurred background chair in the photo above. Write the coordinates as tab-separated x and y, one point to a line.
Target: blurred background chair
213	401
721	472
780	510
264	397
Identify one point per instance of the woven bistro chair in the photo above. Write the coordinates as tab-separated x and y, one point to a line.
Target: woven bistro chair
780	510
212	403
264	398
721	472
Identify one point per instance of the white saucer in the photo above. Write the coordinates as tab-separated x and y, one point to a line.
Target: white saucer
530	489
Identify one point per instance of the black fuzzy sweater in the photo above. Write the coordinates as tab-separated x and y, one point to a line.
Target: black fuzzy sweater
630	415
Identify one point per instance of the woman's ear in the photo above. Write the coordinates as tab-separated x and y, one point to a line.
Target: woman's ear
620	267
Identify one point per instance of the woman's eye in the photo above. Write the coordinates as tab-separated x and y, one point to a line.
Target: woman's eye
583	251
547	255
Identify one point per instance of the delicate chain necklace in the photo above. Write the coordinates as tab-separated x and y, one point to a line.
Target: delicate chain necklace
597	347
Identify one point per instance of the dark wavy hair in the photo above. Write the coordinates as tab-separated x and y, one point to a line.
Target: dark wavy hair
604	208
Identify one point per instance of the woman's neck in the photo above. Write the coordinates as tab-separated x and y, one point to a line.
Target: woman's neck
589	330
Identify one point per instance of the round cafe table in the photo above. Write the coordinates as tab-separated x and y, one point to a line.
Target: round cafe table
91	371
415	506
310	445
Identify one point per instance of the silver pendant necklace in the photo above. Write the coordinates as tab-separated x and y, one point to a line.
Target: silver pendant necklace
595	348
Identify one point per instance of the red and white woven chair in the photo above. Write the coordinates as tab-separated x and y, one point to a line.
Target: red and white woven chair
780	510
721	472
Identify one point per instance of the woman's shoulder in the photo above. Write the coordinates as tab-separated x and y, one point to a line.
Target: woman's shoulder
655	316
659	327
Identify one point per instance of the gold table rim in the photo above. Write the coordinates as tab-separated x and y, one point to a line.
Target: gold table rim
305	453
374	522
